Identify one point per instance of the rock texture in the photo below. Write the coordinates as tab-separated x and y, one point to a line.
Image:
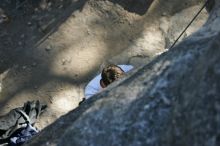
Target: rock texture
49	50
173	100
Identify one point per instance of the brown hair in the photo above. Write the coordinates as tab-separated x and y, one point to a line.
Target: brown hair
110	74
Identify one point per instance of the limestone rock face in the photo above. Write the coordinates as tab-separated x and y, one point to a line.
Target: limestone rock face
174	100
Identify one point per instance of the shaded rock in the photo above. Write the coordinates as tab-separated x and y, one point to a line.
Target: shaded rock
136	6
3	17
210	5
174	100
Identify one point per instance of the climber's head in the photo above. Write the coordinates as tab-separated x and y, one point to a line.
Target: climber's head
110	74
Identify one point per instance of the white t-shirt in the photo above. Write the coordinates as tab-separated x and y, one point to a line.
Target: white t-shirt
94	87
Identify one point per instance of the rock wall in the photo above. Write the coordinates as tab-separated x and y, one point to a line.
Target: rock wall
49	50
173	100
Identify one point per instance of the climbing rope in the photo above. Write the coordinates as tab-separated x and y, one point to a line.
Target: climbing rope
189	23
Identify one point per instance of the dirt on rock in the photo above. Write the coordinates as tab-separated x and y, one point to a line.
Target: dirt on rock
49	50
